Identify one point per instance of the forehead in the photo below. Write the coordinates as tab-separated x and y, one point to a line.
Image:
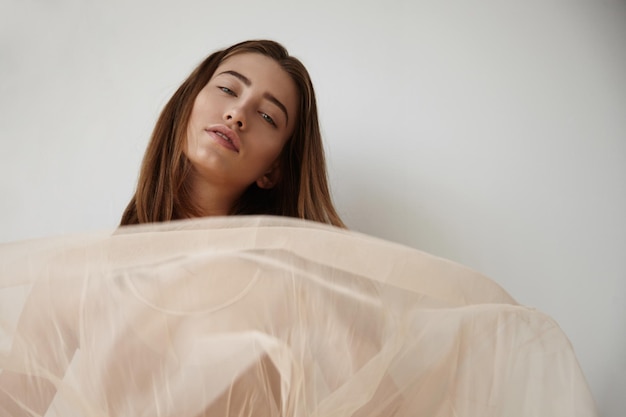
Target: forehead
255	64
261	70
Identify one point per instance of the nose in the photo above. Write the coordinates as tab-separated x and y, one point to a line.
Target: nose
235	117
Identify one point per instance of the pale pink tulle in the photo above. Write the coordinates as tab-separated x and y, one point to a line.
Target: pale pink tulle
262	316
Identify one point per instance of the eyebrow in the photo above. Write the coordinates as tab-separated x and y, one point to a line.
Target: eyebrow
267	96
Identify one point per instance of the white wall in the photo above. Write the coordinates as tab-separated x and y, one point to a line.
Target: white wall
490	133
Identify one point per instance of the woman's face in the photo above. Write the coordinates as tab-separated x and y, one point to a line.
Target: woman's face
240	122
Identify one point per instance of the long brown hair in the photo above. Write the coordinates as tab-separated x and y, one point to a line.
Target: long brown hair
162	193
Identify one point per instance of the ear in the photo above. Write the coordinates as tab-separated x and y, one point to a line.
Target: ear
270	178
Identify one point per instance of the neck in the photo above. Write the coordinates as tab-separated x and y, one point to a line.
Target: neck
210	199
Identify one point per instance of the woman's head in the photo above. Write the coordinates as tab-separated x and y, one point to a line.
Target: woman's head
244	124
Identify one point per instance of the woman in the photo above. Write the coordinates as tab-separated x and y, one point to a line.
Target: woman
239	136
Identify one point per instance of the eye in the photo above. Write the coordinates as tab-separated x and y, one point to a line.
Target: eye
268	119
227	91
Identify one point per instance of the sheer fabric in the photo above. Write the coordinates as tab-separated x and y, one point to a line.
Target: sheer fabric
264	316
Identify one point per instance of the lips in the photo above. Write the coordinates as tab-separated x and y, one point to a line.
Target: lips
225	136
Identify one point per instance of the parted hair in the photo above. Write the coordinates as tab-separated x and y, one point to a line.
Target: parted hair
162	192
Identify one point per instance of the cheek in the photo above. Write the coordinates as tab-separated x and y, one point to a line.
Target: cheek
190	138
200	114
275	148
193	140
202	106
265	155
